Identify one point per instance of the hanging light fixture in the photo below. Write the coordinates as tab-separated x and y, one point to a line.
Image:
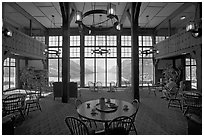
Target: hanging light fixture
195	26
78	17
7	32
100	51
111	10
110	18
150	51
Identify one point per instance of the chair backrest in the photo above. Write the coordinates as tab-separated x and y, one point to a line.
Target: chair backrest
113	84
14	102
90	84
120	126
98	84
77	103
136	104
76	126
192	101
181	86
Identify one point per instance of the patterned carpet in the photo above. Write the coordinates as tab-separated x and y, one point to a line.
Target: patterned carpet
154	118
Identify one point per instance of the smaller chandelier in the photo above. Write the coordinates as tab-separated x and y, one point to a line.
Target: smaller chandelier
100	51
194	28
152	51
56	52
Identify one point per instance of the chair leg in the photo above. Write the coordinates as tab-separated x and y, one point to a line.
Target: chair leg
38	106
134	129
169	103
155	93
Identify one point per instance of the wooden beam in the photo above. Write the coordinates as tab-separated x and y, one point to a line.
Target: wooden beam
178	11
137	10
65	9
72	16
73	6
26	14
135	49
123	17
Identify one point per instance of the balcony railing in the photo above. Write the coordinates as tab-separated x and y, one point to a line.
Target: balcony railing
23	45
182	42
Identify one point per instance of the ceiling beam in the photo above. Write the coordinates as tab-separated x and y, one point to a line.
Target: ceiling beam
137	10
26	14
72	15
176	12
73	6
125	13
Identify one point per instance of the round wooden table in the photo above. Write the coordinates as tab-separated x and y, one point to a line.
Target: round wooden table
84	111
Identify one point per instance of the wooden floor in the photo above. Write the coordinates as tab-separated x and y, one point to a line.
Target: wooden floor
154	118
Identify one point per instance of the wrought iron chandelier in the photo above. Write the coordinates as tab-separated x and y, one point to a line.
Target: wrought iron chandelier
101	25
149	51
100	51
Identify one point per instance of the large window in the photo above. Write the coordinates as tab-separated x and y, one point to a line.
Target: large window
9	74
191	72
126	51
100	67
55	61
146	68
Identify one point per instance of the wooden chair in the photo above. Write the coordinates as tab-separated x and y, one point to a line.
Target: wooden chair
174	100
32	100
119	126
91	86
136	103
113	86
76	126
14	103
193	103
151	89
86	121
99	86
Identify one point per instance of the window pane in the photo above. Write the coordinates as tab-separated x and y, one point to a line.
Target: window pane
126	71
12	77
193	77
75	70
112	70
188	62
6	78
147	41
89	70
53	70
188	73
53	41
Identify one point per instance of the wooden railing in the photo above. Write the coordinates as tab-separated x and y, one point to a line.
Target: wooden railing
177	44
23	45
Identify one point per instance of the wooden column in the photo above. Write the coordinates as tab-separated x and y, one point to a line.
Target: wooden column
135	48
47	43
82	65
119	66
169	27
65	9
31	28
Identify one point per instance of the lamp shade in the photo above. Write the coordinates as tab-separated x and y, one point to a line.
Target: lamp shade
111	10
78	16
190	26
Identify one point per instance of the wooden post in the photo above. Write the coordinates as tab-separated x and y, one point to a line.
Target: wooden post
65	9
135	48
82	65
119	66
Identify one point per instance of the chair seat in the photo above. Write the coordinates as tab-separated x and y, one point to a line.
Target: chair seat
117	131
